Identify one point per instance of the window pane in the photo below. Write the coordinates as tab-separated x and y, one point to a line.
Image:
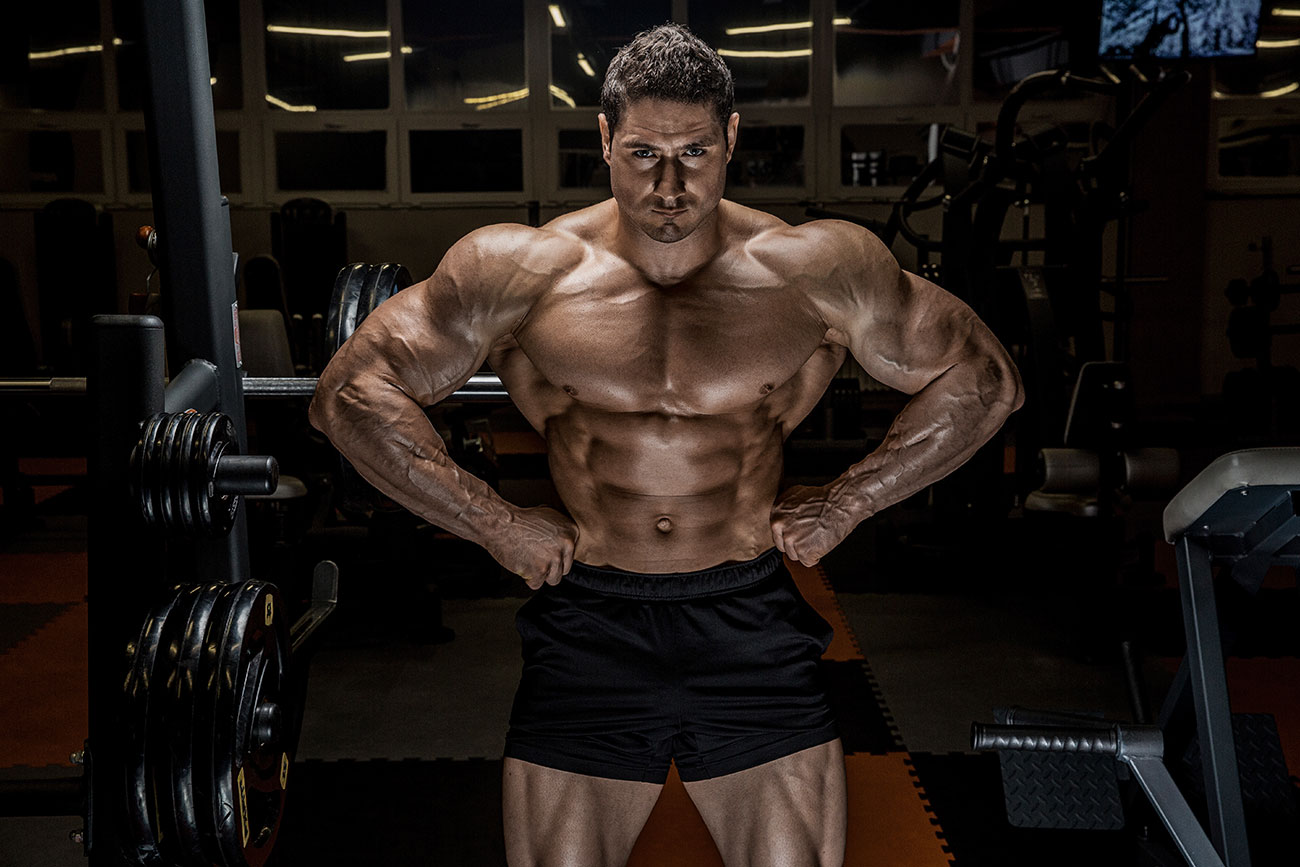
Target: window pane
585	36
896	53
581	164
767	156
1259	147
137	161
884	155
1016	38
56	61
326	54
467	161
768	46
463	55
51	161
1275	68
331	160
223	55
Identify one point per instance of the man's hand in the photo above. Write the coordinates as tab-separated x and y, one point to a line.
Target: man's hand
538	546
807	523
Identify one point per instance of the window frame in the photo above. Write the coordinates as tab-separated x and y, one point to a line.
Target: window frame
540	124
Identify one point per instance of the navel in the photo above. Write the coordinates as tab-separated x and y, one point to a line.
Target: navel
767	388
664	525
570	391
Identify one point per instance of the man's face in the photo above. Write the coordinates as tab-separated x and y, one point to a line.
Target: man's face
668	164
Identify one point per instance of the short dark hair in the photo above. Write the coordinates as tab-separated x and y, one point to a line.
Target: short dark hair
667	62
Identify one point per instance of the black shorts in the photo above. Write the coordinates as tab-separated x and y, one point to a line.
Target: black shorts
623	672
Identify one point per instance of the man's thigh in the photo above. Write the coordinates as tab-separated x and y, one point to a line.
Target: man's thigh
790	811
560	818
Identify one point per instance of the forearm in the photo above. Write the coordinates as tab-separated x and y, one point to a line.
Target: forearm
387	437
938	430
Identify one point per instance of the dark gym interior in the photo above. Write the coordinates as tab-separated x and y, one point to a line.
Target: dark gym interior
1112	185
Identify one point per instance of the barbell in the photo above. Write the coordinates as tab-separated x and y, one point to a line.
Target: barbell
358	290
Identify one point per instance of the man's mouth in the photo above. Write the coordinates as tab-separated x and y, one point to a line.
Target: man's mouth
669	212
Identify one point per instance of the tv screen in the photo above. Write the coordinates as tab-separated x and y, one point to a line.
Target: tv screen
1175	29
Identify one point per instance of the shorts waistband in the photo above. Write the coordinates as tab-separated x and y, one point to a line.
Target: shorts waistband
675	585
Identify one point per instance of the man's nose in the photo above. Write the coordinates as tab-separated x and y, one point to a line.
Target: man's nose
670	183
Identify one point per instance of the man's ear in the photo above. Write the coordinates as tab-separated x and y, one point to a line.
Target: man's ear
733	124
605	134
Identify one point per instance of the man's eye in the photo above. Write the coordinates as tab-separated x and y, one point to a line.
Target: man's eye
695	152
643	153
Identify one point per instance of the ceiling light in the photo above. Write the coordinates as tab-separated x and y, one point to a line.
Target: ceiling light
280	103
325	31
563	97
795	52
64	52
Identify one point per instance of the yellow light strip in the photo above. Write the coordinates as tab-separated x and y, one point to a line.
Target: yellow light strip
1277	43
64	52
375	55
280	103
213	81
497	97
775	28
1281	12
482	102
117	40
563	97
1281	91
768	28
795	52
557	15
585	65
324	31
487	105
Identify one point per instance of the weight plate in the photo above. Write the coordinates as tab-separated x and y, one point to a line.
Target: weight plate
147	470
204	779
389	280
162	714
251	762
216	512
187	741
183	473
141	838
168	459
342	315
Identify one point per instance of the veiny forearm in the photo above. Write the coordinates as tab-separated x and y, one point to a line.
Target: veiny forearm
939	429
388	438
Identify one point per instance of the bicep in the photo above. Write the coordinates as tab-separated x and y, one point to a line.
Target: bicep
425	341
906	331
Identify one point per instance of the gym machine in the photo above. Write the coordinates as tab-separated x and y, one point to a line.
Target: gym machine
196	679
1242	515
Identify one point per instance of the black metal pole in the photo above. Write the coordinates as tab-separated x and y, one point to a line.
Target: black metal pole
195	258
125	385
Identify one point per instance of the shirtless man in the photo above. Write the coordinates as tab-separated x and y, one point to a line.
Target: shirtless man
665	342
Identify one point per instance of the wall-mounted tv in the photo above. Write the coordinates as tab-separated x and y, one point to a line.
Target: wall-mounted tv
1178	29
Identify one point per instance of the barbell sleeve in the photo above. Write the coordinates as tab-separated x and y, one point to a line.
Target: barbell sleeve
246	474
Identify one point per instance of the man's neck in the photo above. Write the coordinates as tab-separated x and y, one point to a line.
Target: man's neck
669	263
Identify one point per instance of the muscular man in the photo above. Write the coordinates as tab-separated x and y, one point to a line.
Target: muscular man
665	342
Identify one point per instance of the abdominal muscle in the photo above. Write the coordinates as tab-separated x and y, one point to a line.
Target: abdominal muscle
652	492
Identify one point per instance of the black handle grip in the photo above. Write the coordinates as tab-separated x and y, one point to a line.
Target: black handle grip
1044	739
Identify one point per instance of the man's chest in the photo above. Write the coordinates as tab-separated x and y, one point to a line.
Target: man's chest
705	349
